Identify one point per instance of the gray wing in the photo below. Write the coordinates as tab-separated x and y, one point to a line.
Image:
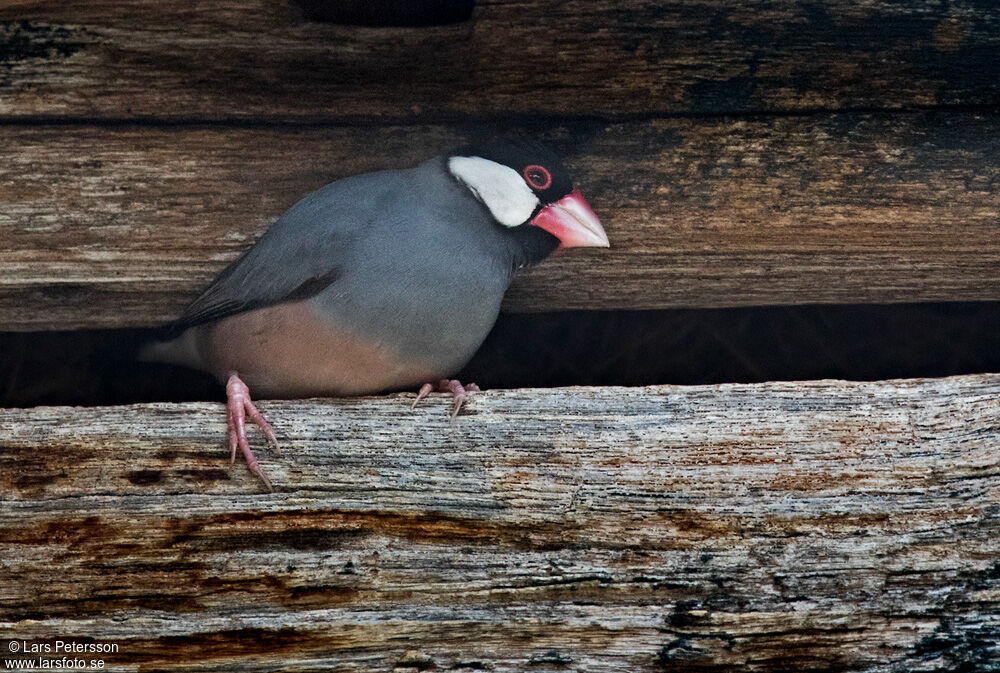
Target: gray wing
300	254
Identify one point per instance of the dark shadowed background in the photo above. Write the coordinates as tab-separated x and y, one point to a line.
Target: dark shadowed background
687	346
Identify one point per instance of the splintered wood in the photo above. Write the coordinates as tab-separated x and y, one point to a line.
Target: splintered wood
264	60
115	227
146	144
783	526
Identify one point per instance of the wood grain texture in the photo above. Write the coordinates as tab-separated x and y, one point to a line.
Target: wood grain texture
120	227
262	59
809	526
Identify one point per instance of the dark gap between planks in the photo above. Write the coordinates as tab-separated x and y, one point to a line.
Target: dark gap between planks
681	346
401	13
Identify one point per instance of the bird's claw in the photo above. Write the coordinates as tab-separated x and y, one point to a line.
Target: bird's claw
460	393
238	408
422	393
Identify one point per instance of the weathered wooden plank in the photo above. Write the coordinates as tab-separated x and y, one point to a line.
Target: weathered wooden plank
783	526
123	226
226	59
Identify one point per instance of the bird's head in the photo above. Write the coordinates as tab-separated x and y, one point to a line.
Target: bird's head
528	191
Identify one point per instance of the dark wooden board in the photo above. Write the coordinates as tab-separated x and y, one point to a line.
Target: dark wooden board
120	227
262	60
810	526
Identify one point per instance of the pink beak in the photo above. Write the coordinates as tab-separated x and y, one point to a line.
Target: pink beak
571	220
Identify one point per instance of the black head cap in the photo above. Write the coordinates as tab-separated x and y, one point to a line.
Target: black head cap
541	168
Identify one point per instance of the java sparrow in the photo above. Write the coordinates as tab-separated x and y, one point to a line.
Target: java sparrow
380	281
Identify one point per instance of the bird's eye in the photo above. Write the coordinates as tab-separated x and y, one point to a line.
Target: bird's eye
538	176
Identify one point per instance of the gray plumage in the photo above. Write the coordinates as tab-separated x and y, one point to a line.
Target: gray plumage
405	260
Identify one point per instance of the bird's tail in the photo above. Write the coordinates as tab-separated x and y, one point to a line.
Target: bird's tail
182	350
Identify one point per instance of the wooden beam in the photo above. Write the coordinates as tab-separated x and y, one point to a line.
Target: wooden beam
263	59
122	226
794	526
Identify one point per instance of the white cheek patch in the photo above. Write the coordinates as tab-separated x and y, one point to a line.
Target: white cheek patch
499	187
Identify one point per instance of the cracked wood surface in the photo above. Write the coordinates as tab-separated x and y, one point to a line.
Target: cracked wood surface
809	526
114	227
262	60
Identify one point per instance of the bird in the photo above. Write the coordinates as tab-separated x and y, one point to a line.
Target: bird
380	281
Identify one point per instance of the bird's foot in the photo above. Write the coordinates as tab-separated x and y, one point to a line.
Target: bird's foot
458	392
238	408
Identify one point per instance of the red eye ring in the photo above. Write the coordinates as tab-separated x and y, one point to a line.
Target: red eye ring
537	176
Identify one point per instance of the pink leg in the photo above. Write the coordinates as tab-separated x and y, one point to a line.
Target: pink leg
238	409
458	392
